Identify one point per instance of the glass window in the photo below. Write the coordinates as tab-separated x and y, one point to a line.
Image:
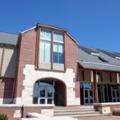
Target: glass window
36	90
45	52
42	101
45	35
49	101
58	37
58	55
45	47
42	92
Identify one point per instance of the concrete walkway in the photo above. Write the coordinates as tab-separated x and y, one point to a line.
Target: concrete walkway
101	118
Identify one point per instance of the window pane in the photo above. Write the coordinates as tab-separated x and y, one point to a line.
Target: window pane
42	101
50	91
49	101
36	90
58	37
60	48
45	52
55	57
55	48
55	53
61	58
61	55
42	47
58	56
45	35
42	92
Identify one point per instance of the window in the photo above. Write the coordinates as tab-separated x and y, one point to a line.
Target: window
98	56
45	46
58	52
51	50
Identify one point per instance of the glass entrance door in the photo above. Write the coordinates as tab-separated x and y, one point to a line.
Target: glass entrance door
88	97
46	94
115	92
86	93
101	93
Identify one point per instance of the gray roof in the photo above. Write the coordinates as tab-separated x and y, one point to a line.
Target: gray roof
7	38
103	61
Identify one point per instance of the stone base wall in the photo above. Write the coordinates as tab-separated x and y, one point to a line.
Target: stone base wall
32	75
107	108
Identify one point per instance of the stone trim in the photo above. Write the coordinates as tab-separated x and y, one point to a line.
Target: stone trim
32	75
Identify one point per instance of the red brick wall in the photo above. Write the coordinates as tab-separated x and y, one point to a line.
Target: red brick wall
71	52
26	56
27	110
9	111
6	88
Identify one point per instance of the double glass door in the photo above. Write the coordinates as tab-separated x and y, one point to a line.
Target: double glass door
87	90
88	97
46	93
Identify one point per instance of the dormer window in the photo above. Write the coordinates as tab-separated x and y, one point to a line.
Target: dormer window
51	50
95	54
99	57
117	58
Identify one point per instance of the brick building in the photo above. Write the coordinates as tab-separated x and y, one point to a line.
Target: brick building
45	66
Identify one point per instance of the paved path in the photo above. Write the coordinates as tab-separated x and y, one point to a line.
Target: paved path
101	118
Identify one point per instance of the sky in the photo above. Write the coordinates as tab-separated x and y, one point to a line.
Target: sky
94	23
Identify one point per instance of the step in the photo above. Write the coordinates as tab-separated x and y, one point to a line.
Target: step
76	112
83	115
73	110
77	107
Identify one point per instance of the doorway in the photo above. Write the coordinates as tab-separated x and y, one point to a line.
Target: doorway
115	93
86	93
49	92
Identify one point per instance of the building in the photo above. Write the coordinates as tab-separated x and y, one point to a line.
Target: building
45	66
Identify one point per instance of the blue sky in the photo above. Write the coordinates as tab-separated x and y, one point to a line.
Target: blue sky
95	23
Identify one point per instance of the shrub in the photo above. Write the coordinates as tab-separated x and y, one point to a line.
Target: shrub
3	117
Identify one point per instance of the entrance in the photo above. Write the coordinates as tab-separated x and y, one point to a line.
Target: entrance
115	92
46	94
86	93
49	92
103	93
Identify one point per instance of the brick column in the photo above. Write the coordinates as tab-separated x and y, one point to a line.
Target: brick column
95	91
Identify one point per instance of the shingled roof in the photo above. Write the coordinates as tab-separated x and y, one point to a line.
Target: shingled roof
7	38
101	59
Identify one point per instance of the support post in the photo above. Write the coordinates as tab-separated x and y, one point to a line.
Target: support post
95	91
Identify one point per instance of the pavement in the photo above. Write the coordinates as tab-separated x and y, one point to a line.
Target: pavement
101	118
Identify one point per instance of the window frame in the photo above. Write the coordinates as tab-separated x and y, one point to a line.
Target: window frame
58	43
37	53
45	41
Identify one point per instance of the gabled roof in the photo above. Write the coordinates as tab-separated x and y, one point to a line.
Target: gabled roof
51	26
7	38
102	61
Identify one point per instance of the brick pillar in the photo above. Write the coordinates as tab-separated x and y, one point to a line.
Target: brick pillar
95	91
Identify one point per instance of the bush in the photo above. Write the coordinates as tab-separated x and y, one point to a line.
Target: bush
3	117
